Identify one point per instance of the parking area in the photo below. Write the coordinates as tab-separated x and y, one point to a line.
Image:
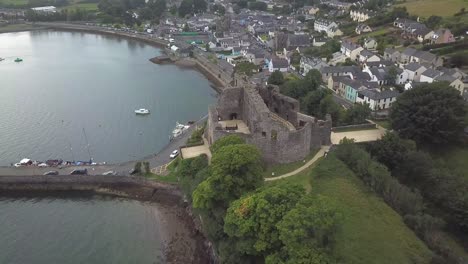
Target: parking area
358	136
192	152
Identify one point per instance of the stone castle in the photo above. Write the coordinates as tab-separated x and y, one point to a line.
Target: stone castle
269	120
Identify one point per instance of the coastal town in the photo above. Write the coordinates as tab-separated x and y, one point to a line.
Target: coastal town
339	132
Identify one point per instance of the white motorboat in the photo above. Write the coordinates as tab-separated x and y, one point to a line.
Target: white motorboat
142	111
179	129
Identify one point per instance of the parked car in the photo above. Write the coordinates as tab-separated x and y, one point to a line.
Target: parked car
174	154
79	172
51	173
109	173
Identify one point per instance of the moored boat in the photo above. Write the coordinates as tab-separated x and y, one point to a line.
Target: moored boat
142	111
18	60
179	129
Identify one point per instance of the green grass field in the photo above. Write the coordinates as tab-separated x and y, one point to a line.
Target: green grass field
14	2
371	231
85	6
383	123
426	8
73	4
280	169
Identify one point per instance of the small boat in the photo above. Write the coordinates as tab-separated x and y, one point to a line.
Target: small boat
2	59
179	129
142	111
18	60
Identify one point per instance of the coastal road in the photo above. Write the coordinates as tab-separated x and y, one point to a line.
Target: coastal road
161	158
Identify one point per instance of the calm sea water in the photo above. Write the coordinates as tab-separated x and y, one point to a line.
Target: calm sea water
90	230
75	89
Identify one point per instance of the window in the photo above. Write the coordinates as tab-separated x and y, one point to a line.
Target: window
274	135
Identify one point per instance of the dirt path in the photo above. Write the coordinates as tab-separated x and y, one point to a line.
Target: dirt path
317	156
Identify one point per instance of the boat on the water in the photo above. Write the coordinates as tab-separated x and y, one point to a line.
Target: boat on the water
179	130
18	60
142	111
2	59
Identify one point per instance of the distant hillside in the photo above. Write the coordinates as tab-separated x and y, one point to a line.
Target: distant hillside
426	8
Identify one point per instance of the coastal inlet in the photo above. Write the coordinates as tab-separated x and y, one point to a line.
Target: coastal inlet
95	90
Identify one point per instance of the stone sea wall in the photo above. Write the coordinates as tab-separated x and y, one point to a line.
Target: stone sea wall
122	186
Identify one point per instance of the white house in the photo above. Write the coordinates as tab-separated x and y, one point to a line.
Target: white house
308	64
377	99
414	71
350	49
45	9
362	28
453	82
278	64
370	43
360	15
430	75
327	26
368	56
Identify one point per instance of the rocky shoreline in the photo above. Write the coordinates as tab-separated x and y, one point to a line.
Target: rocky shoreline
183	242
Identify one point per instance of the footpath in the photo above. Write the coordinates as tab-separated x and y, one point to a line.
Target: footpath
320	153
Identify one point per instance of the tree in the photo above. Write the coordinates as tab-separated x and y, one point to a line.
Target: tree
357	114
186	28
185	8
262	6
246	68
307	231
199	6
217	8
391	75
276	78
310	103
235	170
252	220
429	114
226	141
391	150
433	22
329	106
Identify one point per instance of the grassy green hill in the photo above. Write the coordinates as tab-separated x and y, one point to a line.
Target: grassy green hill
426	8
371	231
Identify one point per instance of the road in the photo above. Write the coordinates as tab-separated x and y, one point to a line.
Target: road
161	158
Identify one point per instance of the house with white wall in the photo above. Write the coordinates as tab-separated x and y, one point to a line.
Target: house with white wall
377	99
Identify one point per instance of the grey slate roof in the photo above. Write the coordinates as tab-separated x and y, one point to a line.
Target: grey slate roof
279	63
431	73
366	53
350	45
413	66
298	40
340	69
446	78
380	63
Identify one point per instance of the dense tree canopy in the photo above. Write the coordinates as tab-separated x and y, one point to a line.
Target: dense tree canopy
429	114
253	218
391	150
357	114
185	8
235	170
307	232
276	78
226	141
246	68
199	6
